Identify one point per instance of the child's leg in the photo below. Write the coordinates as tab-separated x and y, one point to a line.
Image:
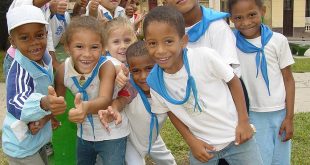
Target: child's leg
160	154
33	159
86	154
267	136
132	155
112	151
282	150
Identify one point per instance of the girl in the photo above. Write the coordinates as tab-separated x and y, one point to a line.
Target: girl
265	60
90	77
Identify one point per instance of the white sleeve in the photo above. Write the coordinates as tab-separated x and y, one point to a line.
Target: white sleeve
285	55
218	67
50	44
158	104
223	41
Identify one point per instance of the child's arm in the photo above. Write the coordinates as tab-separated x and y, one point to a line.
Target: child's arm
289	83
198	147
104	99
59	80
243	131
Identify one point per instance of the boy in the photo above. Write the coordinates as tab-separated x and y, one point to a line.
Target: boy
269	80
213	108
206	27
144	125
29	95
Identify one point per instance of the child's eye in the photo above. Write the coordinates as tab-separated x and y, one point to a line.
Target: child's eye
79	46
40	36
149	68
168	42
253	14
24	38
134	71
127	40
115	41
95	47
151	44
237	18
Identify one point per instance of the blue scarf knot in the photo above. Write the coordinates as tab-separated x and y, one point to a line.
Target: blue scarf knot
82	90
208	16
107	16
154	120
260	58
156	81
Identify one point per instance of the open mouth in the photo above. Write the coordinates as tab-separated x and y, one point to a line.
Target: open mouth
180	1
35	51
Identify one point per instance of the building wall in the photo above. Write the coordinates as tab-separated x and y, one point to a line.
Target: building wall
277	13
299	13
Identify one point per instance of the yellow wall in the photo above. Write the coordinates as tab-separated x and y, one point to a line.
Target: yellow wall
299	13
277	13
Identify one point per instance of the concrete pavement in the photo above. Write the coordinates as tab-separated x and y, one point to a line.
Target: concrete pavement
302	95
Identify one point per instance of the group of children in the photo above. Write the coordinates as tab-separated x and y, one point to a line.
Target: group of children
188	68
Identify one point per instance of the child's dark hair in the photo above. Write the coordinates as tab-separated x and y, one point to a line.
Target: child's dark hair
83	22
136	49
231	3
166	14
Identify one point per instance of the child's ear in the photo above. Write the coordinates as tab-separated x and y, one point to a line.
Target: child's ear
184	40
12	42
263	11
66	47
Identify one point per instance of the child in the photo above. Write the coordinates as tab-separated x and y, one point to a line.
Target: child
142	140
30	96
105	10
86	72
265	59
206	27
213	108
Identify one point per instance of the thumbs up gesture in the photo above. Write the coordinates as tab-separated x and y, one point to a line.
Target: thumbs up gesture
78	114
122	76
52	102
108	115
93	8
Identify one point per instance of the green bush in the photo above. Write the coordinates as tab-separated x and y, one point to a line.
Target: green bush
298	50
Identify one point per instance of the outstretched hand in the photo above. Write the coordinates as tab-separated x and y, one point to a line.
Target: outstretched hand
108	115
52	102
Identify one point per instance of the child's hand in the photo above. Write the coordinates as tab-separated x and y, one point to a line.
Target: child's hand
244	132
200	150
286	129
34	127
93	8
78	114
53	103
55	123
62	6
83	3
122	77
108	115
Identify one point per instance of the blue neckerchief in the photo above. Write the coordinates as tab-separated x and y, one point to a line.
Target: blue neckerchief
148	109
107	53
156	81
106	15
208	16
42	69
60	17
247	47
82	90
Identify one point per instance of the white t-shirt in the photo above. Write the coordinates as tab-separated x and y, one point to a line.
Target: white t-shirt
216	123
58	27
119	11
140	120
117	131
220	38
278	56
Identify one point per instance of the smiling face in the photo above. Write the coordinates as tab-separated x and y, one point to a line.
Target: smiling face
140	67
110	4
117	43
165	45
30	40
246	16
85	48
184	6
